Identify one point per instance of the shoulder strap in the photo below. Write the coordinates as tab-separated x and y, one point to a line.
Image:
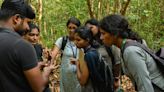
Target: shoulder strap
158	60
109	51
64	41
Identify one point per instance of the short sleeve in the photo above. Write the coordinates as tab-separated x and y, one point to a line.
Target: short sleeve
58	42
25	54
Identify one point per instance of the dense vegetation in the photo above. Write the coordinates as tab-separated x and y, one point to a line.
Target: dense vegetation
146	16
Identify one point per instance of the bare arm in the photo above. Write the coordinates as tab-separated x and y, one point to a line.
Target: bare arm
36	79
54	52
82	72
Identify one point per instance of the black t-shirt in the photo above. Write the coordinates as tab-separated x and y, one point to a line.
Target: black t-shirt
16	56
39	50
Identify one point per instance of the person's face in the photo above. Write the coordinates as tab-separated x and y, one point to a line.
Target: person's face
80	43
93	28
33	36
71	28
21	23
106	38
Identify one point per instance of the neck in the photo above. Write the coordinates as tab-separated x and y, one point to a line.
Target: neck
71	38
119	42
6	25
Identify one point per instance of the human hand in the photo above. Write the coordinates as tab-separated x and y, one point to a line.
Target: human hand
73	61
48	69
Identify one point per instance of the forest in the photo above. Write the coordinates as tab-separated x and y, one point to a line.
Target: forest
145	16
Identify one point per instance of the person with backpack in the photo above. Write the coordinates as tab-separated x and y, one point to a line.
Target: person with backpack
19	70
139	65
65	45
111	54
94	68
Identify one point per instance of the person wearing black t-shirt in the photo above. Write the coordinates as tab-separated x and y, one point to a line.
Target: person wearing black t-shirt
19	70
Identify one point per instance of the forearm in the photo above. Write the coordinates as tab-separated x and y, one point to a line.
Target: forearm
78	72
82	75
45	78
117	70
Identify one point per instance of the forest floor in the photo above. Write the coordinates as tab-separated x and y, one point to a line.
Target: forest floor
126	84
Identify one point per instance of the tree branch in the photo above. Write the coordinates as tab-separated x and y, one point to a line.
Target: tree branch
123	10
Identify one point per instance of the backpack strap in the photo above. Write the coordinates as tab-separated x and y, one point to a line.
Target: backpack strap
109	51
64	41
159	61
150	52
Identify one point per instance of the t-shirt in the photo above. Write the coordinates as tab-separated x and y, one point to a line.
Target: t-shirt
39	50
16	56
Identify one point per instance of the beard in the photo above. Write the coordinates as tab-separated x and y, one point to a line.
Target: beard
21	32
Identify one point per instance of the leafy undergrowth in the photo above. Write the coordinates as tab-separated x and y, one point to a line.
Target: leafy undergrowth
126	84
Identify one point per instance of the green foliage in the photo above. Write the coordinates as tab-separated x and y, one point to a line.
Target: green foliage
145	17
55	15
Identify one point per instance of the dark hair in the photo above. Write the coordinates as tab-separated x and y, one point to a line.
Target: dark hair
11	7
92	22
85	33
118	25
74	21
33	26
96	23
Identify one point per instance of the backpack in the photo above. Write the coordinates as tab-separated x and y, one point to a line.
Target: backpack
64	42
103	64
109	51
157	56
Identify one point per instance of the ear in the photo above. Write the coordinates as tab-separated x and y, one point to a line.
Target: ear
16	19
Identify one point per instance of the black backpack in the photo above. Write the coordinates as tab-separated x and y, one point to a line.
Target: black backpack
107	74
157	56
64	42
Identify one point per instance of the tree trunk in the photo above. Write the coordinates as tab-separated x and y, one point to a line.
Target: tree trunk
116	6
99	9
107	7
90	9
123	10
40	9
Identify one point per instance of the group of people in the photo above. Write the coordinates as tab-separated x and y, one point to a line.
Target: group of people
93	56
